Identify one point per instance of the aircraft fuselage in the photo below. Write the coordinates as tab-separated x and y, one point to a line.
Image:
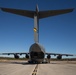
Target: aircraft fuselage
37	53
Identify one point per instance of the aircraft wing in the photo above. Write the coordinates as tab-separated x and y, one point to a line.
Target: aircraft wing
60	54
13	53
26	13
44	14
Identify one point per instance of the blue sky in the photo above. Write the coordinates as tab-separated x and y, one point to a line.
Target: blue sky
57	33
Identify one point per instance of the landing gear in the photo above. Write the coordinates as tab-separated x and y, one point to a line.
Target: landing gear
48	58
45	61
33	62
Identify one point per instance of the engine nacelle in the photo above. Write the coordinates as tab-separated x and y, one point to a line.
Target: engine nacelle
16	56
27	56
8	54
59	57
66	55
48	56
20	54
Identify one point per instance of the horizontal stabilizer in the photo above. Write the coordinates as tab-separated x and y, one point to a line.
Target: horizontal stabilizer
19	12
41	14
44	14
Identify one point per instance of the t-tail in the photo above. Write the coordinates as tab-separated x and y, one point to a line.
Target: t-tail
37	15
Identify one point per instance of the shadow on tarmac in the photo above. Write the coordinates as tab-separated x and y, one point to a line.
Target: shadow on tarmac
16	62
26	62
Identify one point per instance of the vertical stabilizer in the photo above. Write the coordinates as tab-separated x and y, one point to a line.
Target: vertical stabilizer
36	26
37	15
37	9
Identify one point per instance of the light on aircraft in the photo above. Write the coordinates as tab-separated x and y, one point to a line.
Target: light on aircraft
35	29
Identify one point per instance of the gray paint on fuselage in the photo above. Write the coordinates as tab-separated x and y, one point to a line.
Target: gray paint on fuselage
37	47
37	52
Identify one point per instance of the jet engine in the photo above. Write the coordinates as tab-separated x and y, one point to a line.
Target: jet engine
48	56
16	56
27	56
59	57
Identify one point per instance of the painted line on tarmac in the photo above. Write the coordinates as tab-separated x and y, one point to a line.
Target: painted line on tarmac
35	70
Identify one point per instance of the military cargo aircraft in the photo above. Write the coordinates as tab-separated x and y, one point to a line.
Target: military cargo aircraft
37	52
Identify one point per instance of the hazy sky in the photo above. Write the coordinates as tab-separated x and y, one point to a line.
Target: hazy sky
57	33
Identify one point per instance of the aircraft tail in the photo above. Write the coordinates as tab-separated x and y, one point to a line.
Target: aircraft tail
37	15
44	14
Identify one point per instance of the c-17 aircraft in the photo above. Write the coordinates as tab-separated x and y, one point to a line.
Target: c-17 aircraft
37	52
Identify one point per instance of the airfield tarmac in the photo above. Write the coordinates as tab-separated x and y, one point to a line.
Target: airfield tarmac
15	67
